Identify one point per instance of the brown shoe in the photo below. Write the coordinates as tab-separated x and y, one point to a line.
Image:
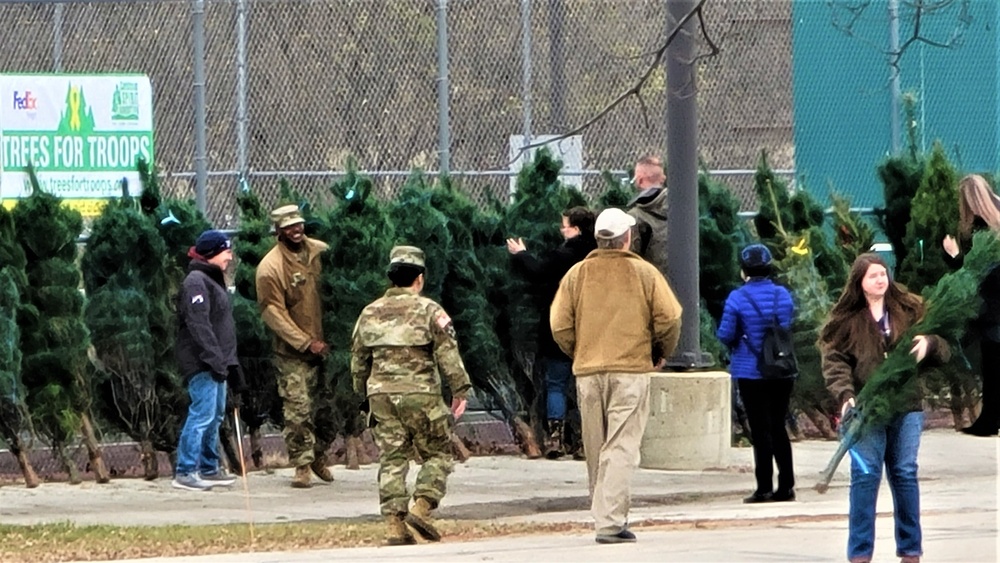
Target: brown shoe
301	479
420	519
321	470
909	559
396	531
861	559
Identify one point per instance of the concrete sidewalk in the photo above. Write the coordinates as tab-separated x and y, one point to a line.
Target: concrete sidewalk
680	516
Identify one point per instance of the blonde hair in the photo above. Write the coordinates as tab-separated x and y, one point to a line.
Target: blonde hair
977	199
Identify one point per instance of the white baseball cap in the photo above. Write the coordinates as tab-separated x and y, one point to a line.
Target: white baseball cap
612	222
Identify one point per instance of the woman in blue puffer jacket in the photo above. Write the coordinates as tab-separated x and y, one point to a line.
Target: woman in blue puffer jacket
765	400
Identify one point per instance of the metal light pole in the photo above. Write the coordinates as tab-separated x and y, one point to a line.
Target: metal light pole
682	184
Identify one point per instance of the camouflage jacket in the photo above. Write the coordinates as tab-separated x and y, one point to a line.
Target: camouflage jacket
403	343
288	295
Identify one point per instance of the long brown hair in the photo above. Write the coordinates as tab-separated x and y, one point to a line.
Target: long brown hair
976	199
851	327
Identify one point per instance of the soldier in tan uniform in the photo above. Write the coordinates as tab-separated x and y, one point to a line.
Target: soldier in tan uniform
288	279
403	343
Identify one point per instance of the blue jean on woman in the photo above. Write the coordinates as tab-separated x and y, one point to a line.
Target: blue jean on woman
198	450
894	444
558	374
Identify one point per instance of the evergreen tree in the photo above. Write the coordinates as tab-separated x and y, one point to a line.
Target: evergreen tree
260	401
54	339
721	235
617	193
354	272
801	218
474	297
130	322
15	420
901	176
418	223
933	214
533	215
180	221
854	236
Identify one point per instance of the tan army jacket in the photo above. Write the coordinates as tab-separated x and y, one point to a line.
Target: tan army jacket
288	295
403	343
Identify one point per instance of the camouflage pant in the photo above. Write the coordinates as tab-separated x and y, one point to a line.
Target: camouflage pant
407	422
308	410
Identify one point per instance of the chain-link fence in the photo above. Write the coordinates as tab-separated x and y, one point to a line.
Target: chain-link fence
295	87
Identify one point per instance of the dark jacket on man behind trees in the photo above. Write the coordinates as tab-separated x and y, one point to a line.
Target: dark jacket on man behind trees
650	211
544	274
206	335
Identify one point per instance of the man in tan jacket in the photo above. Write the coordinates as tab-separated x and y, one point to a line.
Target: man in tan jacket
617	317
288	279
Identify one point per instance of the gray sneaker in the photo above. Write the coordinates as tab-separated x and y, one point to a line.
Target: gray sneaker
221	478
191	482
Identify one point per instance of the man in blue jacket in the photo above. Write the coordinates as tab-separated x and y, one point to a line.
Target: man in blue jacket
206	355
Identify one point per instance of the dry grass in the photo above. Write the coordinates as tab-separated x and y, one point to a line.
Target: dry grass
68	542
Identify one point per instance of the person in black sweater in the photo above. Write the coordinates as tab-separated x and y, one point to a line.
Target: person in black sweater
978	209
544	273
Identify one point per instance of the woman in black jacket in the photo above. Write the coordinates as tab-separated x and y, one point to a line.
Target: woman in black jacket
979	208
545	273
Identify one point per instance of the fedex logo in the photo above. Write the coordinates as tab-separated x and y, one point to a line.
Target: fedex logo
26	101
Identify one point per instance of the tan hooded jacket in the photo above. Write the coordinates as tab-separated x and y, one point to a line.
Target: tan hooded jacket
288	295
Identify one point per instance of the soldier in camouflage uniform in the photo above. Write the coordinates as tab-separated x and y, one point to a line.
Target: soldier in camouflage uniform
402	344
288	295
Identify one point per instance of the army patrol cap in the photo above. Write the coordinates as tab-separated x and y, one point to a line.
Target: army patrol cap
286	216
406	255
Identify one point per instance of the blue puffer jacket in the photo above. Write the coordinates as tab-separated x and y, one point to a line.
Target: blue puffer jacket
741	322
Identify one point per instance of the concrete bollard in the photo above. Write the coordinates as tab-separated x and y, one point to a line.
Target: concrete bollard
689	426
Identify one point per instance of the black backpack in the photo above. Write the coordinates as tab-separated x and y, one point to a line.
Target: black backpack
776	358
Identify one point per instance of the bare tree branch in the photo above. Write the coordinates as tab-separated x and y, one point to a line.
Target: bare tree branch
633	90
921	8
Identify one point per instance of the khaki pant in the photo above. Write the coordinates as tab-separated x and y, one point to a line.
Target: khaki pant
613	408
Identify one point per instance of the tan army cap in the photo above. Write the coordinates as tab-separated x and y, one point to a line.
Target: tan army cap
406	255
286	216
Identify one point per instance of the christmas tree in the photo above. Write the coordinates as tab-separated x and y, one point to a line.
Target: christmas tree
54	339
15	420
130	320
475	299
534	216
354	274
933	214
260	402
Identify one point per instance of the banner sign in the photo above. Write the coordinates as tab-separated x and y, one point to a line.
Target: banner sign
82	133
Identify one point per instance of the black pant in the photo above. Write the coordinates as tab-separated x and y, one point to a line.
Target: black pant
766	403
989	416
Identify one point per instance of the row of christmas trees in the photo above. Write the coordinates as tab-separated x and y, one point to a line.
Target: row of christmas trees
69	363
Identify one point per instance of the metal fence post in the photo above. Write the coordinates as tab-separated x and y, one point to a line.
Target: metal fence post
894	88
444	128
526	68
198	40
241	90
57	37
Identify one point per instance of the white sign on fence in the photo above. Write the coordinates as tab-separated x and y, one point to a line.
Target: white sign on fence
568	150
82	133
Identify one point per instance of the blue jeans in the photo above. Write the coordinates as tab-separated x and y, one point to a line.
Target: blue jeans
895	445
198	450
558	374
